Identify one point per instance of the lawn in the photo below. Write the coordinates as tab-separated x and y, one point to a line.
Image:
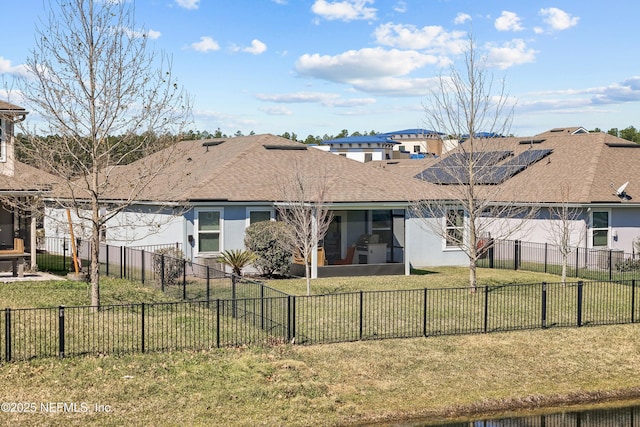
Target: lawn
333	384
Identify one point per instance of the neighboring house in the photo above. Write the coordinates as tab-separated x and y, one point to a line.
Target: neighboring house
408	143
600	174
20	185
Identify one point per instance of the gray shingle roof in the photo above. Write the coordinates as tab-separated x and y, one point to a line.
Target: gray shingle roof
255	168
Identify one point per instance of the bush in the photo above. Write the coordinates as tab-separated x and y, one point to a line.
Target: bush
628	265
267	240
173	265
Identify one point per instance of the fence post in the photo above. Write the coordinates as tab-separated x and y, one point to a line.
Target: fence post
610	264
544	305
486	308
491	254
142	326
124	261
262	306
107	260
293	319
516	254
545	256
579	320
142	264
578	259
218	323
121	262
184	279
61	331
424	313
7	335
64	254
633	300
288	318
233	296
162	272
361	314
208	285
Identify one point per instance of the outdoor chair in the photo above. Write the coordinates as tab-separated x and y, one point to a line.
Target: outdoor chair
349	258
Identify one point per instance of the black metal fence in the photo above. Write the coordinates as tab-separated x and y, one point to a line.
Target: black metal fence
271	318
585	263
221	310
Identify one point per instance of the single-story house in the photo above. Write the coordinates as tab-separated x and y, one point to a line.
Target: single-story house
214	189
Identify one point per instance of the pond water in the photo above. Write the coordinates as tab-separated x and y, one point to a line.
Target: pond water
628	416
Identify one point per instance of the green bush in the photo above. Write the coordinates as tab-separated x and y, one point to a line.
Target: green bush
267	240
173	265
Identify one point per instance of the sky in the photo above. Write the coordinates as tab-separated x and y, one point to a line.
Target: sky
316	67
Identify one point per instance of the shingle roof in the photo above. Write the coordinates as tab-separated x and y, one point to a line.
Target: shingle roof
25	178
591	165
255	168
4	105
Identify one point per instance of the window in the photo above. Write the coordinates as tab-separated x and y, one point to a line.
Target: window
258	215
454	227
401	148
368	157
381	225
600	228
416	148
209	226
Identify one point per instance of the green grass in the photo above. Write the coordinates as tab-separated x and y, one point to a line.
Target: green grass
340	384
358	382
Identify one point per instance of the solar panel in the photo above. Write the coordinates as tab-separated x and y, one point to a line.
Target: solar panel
528	157
486	170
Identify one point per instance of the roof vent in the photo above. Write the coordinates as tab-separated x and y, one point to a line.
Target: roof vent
531	141
284	147
212	143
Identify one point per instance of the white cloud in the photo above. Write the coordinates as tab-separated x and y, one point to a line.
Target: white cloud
430	38
508	21
281	2
400	7
206	44
326	99
345	10
558	19
368	63
256	48
7	68
394	86
276	111
461	18
509	54
188	4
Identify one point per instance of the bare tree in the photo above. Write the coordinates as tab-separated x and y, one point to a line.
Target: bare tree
104	96
304	209
469	107
564	226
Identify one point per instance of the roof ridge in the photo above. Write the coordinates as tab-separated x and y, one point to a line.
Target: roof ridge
590	176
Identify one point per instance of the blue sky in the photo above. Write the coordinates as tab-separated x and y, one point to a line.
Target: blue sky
319	66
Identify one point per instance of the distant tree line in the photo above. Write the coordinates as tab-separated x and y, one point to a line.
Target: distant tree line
629	133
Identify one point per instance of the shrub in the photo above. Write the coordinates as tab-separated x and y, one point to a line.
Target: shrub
237	259
173	264
628	265
267	240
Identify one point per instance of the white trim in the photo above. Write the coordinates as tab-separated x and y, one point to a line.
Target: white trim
248	211
608	228
196	226
456	248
